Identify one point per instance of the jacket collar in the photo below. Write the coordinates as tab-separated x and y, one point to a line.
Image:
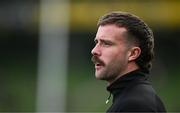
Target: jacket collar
126	79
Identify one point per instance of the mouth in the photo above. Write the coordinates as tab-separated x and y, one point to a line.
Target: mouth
98	66
98	63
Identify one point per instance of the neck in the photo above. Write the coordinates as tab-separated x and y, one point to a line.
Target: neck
131	67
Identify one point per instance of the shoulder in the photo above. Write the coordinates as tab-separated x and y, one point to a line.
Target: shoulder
137	104
140	94
132	104
139	97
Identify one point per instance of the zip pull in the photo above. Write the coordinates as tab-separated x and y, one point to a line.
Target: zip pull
107	101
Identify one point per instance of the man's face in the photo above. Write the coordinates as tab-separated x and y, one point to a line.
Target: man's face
110	54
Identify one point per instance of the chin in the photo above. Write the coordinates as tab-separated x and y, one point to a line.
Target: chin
99	77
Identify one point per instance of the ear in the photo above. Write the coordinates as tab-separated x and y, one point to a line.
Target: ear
134	53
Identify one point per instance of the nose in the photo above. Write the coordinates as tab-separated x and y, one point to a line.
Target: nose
96	50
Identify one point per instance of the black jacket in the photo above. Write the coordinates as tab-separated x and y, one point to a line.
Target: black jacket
133	93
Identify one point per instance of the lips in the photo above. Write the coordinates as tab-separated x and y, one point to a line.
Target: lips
98	63
98	66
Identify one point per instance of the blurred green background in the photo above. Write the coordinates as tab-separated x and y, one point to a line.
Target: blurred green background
19	45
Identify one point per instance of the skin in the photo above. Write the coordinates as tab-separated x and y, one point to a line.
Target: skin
113	55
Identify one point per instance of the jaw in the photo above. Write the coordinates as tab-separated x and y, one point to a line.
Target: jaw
100	73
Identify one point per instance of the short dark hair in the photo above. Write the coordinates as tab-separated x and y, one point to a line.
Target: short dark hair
137	30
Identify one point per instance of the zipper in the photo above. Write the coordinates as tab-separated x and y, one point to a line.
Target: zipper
108	99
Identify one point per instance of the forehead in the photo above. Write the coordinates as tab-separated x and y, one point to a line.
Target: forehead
111	31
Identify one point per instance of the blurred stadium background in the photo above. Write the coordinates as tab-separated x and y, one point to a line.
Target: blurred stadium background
24	23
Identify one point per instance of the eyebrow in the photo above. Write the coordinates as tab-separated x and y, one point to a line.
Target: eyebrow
103	40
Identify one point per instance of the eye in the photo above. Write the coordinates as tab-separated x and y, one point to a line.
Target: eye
106	43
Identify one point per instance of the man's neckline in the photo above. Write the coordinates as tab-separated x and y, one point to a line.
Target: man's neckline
121	81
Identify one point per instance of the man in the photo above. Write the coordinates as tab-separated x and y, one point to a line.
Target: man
122	56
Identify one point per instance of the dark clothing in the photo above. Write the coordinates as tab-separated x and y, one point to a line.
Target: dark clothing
133	93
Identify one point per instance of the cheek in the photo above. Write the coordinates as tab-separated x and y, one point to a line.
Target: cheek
116	56
110	56
115	52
